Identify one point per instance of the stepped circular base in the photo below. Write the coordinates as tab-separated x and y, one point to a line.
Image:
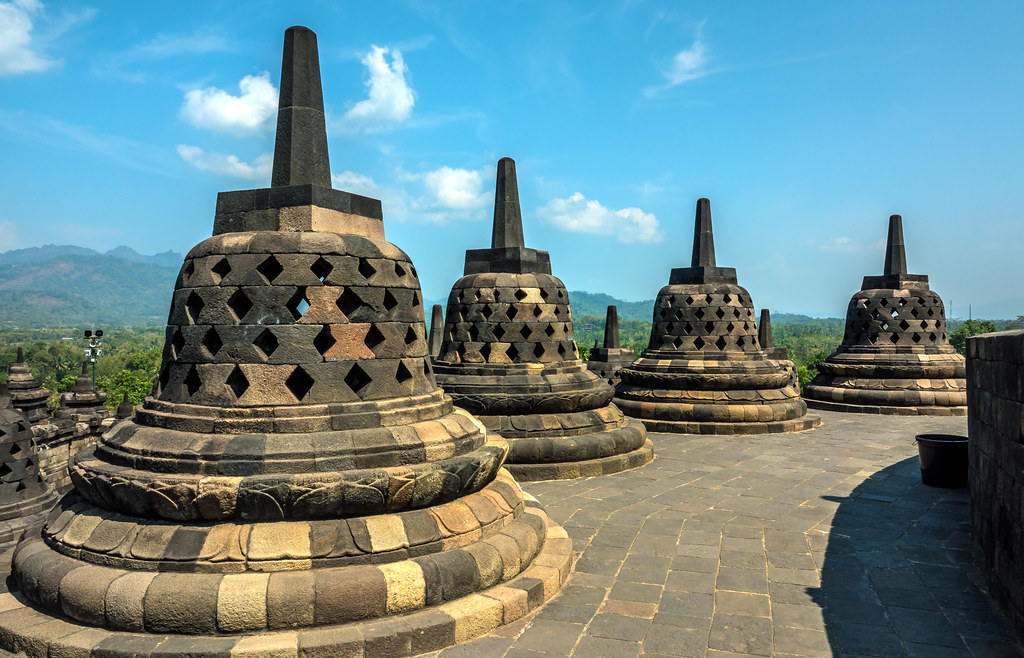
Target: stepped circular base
885	410
583	469
39	635
806	422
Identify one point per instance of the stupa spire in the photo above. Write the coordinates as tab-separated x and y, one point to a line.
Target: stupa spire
300	152
703	238
611	328
895	249
508	218
764	330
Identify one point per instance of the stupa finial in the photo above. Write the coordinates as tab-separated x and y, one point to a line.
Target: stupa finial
611	328
895	249
764	330
508	219
300	152
703	238
21	356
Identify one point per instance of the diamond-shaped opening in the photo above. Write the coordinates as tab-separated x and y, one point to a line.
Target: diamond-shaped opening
321	269
237	382
931	312
709	328
525	332
212	342
512	352
186	274
544	294
399	270
894	312
883	302
5	470
903	302
670	327
677	342
240	304
389	300
689	300
498	332
895	338
221	270
561	350
537	311
873	337
267	342
736	313
349	302
366	269
298	304
413	270
885	326
726	298
731	327
299	383
416	298
21	486
192	382
904	325
916	337
177	342
486	311
357	379
165	376
410	336
474	333
874	313
402	374
521	294
324	340
721	342
270	269
913	311
561	294
193	307
741	341
538	350
931	337
485	351
699	313
698	342
373	337
687	328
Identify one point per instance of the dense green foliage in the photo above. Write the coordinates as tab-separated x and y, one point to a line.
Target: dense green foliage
129	362
958	337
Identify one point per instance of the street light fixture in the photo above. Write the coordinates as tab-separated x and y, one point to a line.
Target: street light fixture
94	349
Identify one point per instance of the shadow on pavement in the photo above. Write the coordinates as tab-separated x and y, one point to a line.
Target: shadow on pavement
898	578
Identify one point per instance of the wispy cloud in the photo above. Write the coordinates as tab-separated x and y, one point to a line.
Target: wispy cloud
578	215
436	196
846	245
124	65
9	230
227	165
390	98
688	64
247	113
19	52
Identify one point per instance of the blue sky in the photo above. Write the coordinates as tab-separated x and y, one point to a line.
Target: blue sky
806	123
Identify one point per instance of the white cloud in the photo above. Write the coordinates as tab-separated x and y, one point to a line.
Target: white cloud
350	181
578	215
216	109
391	99
228	165
10	233
688	64
17	51
458	189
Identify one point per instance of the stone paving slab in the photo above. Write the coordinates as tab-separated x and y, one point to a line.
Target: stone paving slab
820	543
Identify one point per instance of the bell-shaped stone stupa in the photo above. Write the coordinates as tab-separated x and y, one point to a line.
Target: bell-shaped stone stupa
606	361
509	357
895	357
297	480
27	394
703	371
24	497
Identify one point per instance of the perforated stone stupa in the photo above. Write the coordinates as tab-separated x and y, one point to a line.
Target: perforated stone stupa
27	394
509	357
24	497
606	361
703	371
297	479
895	357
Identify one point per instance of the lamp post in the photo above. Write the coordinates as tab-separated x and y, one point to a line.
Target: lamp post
94	349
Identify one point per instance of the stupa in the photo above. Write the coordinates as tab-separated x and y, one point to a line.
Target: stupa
297	480
83	399
703	371
27	394
509	357
24	497
780	355
606	361
895	357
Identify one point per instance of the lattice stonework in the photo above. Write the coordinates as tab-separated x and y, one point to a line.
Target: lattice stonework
883	318
709	322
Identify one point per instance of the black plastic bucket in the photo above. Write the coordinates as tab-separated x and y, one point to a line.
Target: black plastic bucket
943	460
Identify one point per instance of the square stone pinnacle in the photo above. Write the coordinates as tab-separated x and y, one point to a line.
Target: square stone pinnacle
702	275
298	208
513	260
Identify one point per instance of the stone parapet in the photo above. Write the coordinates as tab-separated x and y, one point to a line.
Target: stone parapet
995	421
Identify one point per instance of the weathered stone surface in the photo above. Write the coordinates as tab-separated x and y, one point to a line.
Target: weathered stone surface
606	361
508	354
895	357
704	371
24	497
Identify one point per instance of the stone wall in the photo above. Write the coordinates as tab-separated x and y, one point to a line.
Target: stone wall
59	439
995	401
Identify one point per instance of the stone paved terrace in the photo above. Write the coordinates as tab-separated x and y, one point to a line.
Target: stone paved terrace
821	543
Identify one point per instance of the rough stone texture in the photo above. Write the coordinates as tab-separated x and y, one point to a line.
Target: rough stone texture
822	543
895	357
508	355
780	355
995	399
606	361
704	371
27	394
24	497
297	467
436	331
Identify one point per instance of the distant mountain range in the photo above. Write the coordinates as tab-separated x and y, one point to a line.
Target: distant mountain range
68	286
